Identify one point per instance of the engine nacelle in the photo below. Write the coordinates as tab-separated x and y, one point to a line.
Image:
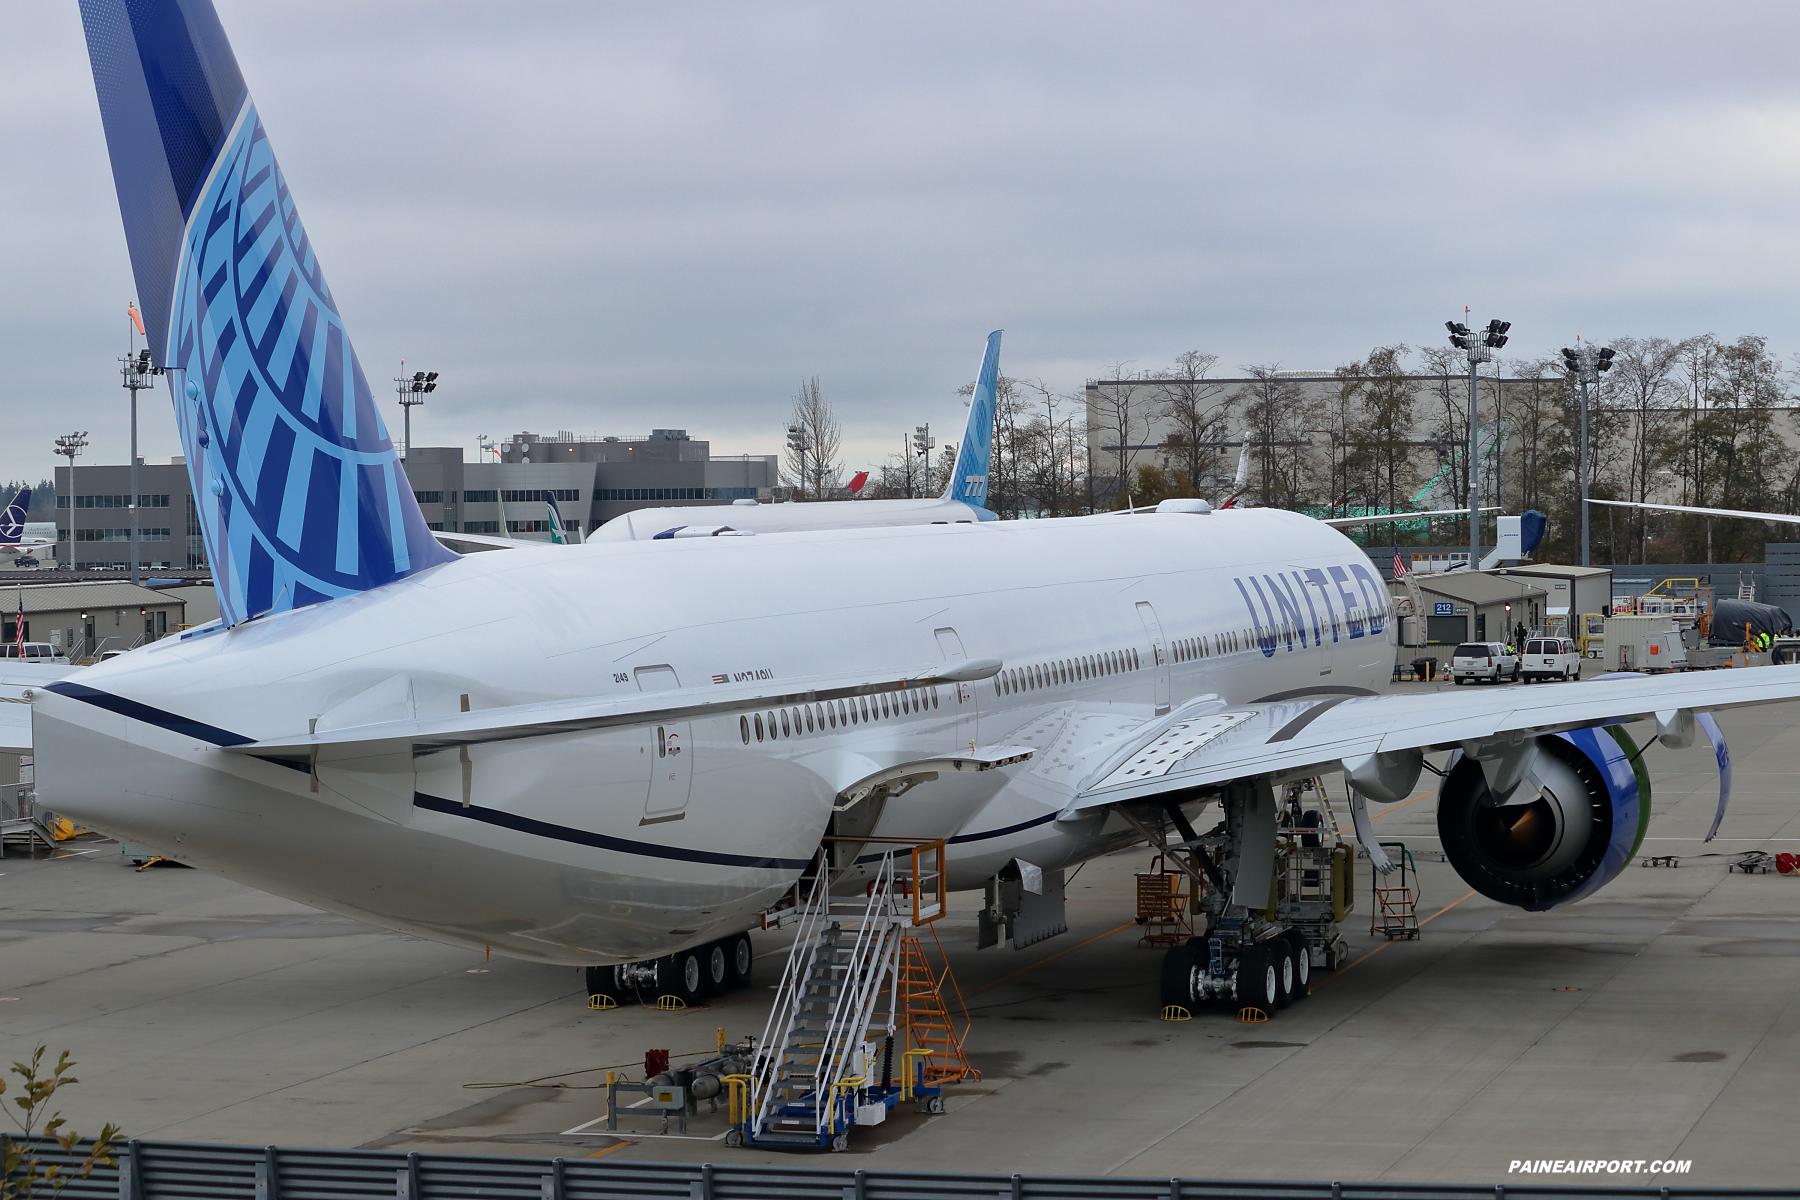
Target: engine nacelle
1566	844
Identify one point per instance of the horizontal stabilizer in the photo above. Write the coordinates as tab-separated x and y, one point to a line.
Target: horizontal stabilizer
581	714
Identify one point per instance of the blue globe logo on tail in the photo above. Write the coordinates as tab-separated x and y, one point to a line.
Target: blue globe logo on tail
297	487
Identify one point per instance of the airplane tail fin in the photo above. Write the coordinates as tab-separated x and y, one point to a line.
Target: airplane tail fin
969	477
12	520
297	486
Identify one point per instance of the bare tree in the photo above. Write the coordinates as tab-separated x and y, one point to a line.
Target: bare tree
1378	437
1277	410
1121	416
1199	410
812	467
1646	387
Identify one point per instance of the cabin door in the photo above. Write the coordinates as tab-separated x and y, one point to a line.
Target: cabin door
1159	655
671	754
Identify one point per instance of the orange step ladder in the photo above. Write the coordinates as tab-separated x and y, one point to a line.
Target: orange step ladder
929	1027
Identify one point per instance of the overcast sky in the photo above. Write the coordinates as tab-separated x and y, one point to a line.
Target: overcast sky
609	217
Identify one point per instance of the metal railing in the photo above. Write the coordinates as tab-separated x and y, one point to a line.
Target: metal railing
147	1170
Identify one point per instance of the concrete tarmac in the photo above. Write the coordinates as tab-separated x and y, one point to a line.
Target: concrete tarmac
1655	1021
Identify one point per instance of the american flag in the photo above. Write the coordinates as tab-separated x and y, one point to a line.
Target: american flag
1399	566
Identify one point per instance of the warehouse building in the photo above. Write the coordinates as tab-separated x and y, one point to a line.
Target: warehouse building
85	620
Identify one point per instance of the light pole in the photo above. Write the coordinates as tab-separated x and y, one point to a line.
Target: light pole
413	389
1585	363
798	444
137	373
1478	346
69	445
922	444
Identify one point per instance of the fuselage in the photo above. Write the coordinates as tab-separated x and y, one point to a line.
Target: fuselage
603	846
646	523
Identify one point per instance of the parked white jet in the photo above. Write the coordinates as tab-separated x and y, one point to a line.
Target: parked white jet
604	753
963	501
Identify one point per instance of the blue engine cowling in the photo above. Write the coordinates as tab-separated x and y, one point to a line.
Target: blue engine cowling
1565	845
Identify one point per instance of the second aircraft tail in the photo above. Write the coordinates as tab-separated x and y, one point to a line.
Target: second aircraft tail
969	477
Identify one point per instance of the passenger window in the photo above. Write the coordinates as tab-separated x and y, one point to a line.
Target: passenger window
843	715
934	697
884	705
771	727
759	729
662	744
863	703
809	723
744	728
831	715
784	724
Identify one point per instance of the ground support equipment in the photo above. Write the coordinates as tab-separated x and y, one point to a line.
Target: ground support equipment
826	1059
1255	956
1396	895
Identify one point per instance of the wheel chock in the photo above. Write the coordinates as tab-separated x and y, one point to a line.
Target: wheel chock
1174	1012
601	1002
670	1003
1251	1015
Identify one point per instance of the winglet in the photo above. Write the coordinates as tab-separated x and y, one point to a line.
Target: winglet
298	488
969	477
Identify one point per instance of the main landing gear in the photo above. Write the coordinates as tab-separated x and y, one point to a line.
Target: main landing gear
1262	958
688	975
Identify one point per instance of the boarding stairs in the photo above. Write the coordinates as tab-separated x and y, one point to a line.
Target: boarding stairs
837	991
829	1058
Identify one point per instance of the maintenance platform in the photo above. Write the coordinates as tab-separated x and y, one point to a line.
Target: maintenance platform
1657	1020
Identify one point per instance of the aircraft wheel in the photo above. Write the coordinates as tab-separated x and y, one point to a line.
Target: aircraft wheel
681	975
1281	957
1302	962
739	959
603	981
718	968
1177	974
1256	982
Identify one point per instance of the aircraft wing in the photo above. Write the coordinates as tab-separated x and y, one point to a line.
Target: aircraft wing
1404	516
15	721
1208	741
16	682
1787	518
485	540
512	722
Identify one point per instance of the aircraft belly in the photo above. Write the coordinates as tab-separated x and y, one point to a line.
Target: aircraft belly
537	878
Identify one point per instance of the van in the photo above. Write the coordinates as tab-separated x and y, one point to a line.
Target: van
1491	661
33	652
1550	658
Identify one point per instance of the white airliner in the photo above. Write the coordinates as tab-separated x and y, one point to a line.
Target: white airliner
963	501
604	753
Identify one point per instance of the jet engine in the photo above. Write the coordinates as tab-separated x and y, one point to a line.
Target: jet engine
1555	842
